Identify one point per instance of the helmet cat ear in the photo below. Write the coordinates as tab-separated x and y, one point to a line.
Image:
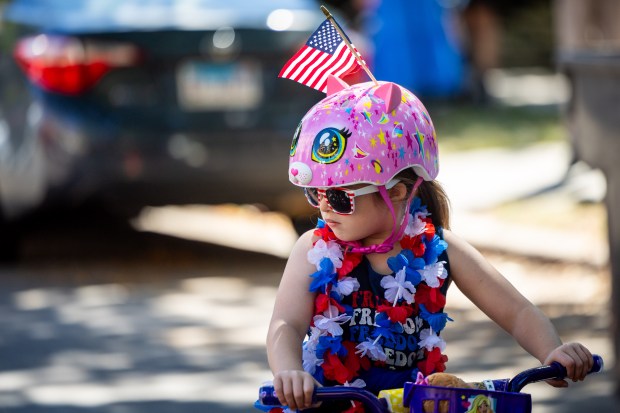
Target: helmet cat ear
391	95
335	85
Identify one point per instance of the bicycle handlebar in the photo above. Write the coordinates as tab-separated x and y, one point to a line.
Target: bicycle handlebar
374	404
267	397
554	371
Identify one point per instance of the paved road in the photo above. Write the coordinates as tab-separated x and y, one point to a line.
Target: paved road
100	318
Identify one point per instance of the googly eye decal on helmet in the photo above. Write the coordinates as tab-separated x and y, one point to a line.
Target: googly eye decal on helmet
329	145
295	140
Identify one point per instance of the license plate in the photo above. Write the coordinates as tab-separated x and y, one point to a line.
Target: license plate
219	86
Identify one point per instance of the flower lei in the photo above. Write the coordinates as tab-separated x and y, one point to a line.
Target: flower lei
414	287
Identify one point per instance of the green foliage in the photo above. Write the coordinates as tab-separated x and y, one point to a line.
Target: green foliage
462	127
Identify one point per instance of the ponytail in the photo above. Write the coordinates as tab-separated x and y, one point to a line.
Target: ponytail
432	195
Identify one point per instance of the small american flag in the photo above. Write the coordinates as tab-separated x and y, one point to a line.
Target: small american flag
324	53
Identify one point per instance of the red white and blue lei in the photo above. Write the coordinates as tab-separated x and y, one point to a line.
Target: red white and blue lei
412	289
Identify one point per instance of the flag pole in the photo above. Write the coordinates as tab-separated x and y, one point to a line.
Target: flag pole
349	45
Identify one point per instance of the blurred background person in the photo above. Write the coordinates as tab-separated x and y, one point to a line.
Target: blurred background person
416	44
483	28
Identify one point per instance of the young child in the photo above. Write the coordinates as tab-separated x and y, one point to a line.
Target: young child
368	285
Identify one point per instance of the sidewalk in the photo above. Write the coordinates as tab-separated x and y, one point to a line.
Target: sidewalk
484	186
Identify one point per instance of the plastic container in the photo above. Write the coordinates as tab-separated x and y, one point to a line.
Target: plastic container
420	398
505	399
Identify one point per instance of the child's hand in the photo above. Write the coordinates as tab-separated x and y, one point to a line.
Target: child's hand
575	358
294	388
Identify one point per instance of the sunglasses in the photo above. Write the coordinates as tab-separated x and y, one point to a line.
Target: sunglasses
341	200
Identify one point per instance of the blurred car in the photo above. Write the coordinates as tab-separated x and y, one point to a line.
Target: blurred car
143	102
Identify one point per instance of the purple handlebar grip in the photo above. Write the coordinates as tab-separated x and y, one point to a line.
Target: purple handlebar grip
268	397
554	371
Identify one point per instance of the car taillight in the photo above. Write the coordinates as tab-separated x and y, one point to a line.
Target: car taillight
68	65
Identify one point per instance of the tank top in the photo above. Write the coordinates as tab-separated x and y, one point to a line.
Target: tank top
402	349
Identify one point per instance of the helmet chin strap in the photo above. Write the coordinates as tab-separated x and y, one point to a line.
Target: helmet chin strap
397	233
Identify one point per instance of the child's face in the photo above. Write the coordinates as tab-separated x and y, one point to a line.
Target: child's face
371	222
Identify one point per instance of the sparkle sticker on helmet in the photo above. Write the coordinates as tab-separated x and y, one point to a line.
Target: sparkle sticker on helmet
377	165
295	140
329	145
359	153
398	130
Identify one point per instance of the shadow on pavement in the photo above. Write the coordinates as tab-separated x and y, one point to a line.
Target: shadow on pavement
152	407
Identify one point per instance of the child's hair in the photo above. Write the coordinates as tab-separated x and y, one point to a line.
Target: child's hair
432	195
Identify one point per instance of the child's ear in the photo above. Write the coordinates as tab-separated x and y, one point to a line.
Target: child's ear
398	192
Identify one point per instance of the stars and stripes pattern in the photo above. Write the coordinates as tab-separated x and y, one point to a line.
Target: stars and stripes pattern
324	53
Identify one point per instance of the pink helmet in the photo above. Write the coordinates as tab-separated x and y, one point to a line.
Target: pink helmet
363	133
